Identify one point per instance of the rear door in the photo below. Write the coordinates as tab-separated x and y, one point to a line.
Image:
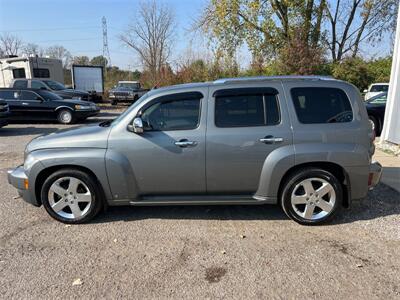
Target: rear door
244	126
11	97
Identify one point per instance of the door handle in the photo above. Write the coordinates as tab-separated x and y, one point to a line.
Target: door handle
25	103
269	139
185	143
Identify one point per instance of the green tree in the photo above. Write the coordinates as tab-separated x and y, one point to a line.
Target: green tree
99	61
354	70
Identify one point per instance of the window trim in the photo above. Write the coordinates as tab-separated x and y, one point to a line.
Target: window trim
249	92
321	87
174	97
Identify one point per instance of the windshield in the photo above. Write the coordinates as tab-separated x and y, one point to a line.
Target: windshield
49	95
379	99
130	108
379	88
130	85
54	85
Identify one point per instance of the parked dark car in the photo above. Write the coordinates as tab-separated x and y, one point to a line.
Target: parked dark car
4	113
37	104
376	111
52	86
126	91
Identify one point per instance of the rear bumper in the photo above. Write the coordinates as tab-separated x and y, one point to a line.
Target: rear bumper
18	179
375	173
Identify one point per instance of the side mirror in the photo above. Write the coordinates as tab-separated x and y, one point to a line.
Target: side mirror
136	126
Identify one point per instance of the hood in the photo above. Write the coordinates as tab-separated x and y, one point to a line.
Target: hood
92	136
72	93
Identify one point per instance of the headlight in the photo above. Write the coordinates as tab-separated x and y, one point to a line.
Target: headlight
83	107
77	98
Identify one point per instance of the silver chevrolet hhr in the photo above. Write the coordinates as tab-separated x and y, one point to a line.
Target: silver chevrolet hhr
302	142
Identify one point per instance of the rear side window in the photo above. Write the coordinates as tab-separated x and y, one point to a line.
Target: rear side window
21	84
8	95
19	73
246	110
321	105
41	73
26	95
379	88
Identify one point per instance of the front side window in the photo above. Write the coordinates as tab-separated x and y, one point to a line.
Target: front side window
37	85
49	95
315	105
41	73
246	110
172	115
26	95
19	73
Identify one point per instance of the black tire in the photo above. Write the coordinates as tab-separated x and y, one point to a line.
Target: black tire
65	116
92	185
300	176
375	123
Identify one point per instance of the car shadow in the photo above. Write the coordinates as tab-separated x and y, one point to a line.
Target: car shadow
382	201
20	131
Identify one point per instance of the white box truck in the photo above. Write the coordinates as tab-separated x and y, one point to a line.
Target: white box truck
30	68
89	79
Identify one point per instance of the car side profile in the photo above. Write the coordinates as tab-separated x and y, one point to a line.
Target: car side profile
302	142
38	104
51	86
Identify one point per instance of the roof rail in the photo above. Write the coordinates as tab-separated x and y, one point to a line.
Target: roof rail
267	78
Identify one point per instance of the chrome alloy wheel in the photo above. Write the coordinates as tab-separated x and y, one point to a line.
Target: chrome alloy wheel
313	198
70	198
66	117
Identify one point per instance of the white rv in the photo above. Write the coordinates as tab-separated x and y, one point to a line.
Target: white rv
30	68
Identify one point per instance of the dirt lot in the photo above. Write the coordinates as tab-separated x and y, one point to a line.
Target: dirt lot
193	252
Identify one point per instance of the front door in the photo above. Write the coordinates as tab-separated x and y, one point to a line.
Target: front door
244	126
33	107
168	158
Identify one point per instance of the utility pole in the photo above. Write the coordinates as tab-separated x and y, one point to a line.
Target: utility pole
106	51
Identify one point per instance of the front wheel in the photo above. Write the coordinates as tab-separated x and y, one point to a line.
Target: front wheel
65	116
311	196
71	196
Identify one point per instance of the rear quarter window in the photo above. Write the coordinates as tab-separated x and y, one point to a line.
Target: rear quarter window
316	105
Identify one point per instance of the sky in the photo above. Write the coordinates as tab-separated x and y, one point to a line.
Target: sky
77	24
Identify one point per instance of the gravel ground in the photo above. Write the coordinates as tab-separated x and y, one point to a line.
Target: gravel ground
193	252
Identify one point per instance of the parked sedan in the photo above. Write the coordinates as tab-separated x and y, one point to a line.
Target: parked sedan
4	113
37	104
376	111
52	86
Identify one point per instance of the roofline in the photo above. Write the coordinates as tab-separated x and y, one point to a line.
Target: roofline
270	78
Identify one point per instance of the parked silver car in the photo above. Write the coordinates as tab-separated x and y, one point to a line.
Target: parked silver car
302	142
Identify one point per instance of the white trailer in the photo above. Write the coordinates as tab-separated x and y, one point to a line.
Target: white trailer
89	79
30	68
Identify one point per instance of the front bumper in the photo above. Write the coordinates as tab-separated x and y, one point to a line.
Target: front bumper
18	179
375	173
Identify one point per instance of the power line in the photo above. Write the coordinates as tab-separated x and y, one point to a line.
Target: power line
69	40
51	29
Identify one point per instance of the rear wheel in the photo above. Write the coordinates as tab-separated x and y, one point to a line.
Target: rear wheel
65	116
71	196
374	123
311	196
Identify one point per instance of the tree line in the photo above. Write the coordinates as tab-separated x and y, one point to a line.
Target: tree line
302	37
